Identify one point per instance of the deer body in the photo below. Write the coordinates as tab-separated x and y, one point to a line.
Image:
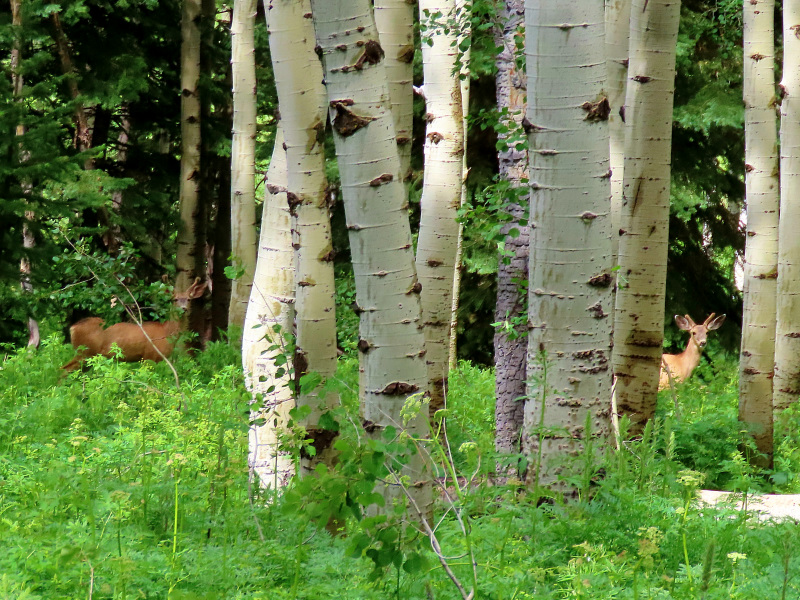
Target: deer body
680	366
149	341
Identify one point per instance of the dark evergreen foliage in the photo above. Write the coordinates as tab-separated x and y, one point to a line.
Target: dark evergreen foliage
125	60
122	191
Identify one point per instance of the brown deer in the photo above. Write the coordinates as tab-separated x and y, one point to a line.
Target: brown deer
149	341
679	367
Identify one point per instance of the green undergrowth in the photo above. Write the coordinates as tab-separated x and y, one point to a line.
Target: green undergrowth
708	437
114	484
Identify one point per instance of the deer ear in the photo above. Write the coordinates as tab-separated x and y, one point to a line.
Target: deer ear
683	322
716	323
196	289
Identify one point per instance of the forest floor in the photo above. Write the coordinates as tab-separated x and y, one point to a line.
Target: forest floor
108	491
767	506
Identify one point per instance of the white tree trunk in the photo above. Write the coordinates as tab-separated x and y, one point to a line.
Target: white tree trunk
303	108
395	22
756	364
464	12
441	190
269	319
787	333
391	342
618	18
243	156
644	219
569	299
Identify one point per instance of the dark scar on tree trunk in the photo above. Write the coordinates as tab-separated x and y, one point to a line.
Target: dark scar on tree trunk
321	440
346	122
372	55
598	110
399	388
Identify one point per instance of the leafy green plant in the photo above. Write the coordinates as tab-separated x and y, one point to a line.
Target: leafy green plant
106	488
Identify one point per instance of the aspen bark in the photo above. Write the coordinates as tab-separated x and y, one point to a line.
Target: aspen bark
569	298
618	18
303	108
441	188
268	322
243	156
511	343
644	217
391	343
464	12
756	363
787	333
395	22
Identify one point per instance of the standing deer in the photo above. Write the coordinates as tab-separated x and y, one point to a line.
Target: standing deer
680	366
149	341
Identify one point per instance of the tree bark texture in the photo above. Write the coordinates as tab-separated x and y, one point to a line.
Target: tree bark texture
303	107
464	12
756	363
268	322
569	302
441	188
644	216
243	156
618	18
391	342
395	22
787	333
190	259
510	342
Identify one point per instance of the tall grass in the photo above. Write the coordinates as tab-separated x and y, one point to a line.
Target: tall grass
107	490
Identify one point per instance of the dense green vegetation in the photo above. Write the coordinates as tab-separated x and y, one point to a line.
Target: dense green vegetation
125	66
115	484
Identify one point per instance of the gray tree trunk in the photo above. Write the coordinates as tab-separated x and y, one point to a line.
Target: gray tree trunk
510	343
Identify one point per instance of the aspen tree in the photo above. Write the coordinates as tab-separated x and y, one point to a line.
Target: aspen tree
787	333
644	217
464	17
618	18
441	189
303	108
268	323
391	342
569	299
756	363
395	22
243	156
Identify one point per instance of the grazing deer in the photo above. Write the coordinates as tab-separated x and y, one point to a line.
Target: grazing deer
679	367
149	341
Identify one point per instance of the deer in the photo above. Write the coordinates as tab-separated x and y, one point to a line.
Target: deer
678	367
151	340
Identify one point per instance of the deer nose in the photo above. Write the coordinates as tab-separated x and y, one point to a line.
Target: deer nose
701	343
